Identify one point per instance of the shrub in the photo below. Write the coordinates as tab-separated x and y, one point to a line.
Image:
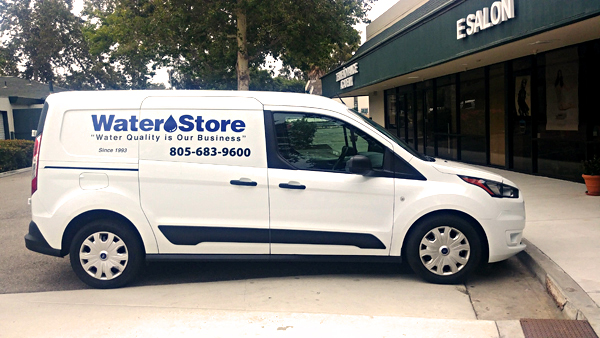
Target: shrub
15	154
592	166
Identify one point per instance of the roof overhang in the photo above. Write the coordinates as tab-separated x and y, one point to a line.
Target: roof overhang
558	38
24	101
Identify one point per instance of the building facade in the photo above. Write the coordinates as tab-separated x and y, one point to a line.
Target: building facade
508	83
21	103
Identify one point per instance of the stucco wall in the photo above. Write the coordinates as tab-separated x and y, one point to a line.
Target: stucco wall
5	106
376	107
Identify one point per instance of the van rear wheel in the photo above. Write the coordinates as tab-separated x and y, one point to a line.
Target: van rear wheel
443	249
106	254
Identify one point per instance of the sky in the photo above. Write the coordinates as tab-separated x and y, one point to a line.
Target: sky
377	8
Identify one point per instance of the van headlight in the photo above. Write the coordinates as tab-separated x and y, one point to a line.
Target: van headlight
495	189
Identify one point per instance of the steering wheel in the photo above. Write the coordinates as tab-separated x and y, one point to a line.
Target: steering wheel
341	158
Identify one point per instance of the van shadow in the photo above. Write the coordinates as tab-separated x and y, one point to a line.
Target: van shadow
164	273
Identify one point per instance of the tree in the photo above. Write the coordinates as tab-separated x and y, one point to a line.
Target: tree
7	67
44	41
38	34
263	80
216	43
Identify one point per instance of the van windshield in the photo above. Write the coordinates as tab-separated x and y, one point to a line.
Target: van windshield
394	138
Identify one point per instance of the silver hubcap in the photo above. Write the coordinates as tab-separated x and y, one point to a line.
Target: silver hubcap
103	255
444	250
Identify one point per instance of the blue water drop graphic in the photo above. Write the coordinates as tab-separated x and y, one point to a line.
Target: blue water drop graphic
170	125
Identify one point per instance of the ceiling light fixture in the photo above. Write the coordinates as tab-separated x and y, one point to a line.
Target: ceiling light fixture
542	42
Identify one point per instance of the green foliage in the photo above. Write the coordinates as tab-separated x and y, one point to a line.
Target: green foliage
262	80
15	154
119	44
301	133
7	67
592	166
197	39
44	41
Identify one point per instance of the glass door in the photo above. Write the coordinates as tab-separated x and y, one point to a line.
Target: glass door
521	122
424	118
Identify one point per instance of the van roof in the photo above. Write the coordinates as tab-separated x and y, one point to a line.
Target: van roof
132	99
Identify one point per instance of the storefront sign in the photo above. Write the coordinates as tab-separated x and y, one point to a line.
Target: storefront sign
345	76
499	12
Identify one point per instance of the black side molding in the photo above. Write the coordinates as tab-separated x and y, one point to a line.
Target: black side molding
363	241
193	235
87	168
271	258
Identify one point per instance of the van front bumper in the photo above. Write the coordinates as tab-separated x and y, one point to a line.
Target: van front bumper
35	241
505	234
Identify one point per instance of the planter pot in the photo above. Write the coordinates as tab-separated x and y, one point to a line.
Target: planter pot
592	182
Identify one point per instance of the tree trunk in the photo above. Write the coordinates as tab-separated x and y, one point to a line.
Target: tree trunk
243	74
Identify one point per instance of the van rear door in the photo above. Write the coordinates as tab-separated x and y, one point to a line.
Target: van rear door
203	174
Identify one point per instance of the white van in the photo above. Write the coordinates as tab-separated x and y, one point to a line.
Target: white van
121	177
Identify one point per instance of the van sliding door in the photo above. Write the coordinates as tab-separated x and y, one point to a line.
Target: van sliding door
203	174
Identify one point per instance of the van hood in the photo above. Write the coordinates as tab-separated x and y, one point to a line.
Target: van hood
456	168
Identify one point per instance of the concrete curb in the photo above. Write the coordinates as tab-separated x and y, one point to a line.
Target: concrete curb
14	172
574	302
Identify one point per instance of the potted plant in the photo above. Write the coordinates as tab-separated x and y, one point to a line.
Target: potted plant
591	175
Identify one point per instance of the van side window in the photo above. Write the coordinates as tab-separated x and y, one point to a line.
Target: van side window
318	142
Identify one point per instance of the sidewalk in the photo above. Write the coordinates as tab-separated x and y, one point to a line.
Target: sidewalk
162	311
562	233
563	237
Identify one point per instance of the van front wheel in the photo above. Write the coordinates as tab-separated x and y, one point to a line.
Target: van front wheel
443	249
106	254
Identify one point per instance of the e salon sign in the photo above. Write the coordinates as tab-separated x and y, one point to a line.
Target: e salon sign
346	76
499	12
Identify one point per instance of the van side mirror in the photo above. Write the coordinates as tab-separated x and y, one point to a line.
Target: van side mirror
359	164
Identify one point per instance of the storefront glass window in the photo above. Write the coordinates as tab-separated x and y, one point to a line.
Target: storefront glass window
588	96
521	115
497	126
410	113
472	116
541	112
429	122
447	146
561	138
391	110
446	121
402	116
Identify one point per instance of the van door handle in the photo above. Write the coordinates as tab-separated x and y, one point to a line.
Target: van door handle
292	185
244	182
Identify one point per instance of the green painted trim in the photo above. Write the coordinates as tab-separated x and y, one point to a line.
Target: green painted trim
433	41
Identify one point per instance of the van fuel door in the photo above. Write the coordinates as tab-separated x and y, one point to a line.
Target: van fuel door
93	181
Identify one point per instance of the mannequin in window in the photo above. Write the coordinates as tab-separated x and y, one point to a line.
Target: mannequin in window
522	100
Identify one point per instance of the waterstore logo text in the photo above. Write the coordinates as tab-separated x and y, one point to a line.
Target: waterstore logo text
186	123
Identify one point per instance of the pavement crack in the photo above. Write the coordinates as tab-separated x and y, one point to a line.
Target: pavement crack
466	292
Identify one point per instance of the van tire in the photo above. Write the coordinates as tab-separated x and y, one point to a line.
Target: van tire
106	254
443	249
